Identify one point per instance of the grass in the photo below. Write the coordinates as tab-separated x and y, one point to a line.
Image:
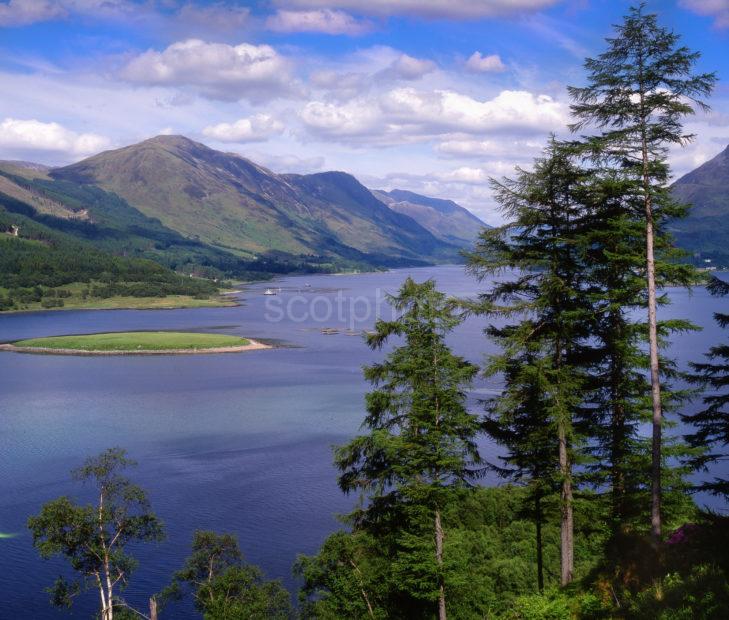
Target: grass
77	302
135	341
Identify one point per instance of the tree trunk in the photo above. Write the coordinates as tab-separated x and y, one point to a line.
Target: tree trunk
618	431
439	560
540	552
567	524
655	379
652	333
152	608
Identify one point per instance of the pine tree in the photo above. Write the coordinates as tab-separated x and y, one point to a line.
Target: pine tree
421	440
540	357
617	392
638	92
712	423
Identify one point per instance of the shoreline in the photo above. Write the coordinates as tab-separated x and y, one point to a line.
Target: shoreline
229	302
253	345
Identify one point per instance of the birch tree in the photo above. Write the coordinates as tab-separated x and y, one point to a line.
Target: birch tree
93	537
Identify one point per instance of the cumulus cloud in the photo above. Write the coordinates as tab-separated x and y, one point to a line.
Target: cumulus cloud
453	9
218	16
257	128
485	64
479	149
325	21
216	70
407	113
29	136
718	9
24	12
410	68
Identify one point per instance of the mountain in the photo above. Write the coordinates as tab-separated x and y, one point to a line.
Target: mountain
705	231
230	203
445	219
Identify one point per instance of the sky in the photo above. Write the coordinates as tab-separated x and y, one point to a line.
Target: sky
434	96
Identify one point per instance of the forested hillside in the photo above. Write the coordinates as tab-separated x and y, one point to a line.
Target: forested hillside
39	261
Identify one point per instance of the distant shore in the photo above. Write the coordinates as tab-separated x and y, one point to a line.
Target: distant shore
169	302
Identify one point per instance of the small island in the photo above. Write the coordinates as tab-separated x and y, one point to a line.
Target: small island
135	343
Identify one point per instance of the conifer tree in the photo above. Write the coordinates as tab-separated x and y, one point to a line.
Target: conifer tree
638	92
712	423
617	392
421	440
540	352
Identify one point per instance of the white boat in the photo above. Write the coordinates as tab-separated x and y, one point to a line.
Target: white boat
270	291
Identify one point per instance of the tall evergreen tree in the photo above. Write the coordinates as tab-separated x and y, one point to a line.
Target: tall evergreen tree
617	391
540	353
421	440
638	92
712	423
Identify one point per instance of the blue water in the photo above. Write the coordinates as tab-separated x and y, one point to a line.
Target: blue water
234	442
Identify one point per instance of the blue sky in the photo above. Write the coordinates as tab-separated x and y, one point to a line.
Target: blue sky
435	96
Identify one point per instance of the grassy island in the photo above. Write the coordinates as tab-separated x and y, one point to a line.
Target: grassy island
136	342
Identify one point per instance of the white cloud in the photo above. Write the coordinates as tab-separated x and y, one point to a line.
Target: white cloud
407	113
718	9
341	86
24	12
479	149
326	21
289	163
32	135
410	68
216	70
221	15
450	9
257	128
485	64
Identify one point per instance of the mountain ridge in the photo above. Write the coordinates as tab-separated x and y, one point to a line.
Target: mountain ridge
230	202
445	219
705	230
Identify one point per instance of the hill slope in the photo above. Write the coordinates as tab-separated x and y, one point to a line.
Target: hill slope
706	229
445	219
229	202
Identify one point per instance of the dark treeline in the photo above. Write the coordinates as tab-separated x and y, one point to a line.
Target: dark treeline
39	259
597	520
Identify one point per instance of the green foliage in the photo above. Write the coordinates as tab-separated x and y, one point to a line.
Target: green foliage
421	443
711	425
224	587
93	538
42	259
490	562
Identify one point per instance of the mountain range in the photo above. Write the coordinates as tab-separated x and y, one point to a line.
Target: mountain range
705	232
230	203
199	211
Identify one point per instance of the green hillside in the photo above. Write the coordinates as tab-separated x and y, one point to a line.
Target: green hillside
705	232
45	266
228	202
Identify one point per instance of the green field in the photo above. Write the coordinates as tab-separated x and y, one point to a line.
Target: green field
76	300
135	341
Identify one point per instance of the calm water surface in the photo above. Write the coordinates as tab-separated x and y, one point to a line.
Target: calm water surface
235	442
